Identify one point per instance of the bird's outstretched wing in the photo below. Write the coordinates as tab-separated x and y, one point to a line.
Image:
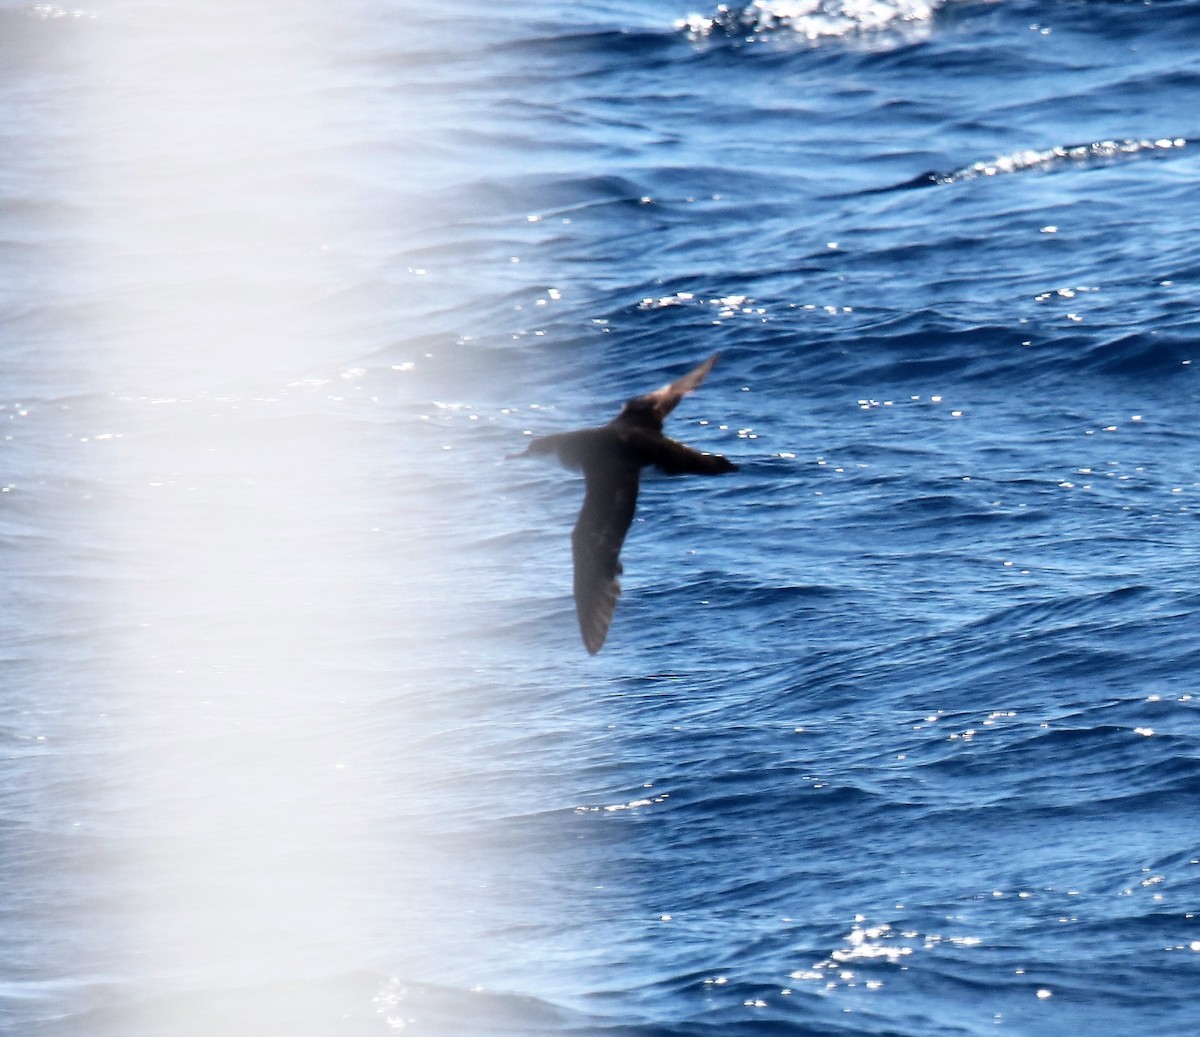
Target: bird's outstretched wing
608	505
652	409
675	458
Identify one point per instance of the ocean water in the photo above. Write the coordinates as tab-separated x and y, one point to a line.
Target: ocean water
896	731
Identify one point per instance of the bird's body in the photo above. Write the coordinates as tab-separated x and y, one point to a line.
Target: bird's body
611	458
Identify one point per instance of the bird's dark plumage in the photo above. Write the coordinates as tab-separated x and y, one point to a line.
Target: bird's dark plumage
611	458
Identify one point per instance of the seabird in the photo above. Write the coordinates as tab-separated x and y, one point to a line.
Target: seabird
611	458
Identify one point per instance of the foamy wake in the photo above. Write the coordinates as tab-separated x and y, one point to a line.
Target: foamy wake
812	19
1099	152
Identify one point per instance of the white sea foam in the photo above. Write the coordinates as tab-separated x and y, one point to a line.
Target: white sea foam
812	19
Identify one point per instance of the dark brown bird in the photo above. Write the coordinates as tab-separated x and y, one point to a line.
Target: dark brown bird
611	458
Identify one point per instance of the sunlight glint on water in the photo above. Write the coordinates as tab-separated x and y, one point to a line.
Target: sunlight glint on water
234	503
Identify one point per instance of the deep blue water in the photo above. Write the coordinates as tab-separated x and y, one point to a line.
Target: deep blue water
896	731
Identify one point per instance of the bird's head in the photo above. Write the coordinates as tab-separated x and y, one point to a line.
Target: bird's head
537	448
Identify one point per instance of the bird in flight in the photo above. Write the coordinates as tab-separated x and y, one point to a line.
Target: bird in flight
611	458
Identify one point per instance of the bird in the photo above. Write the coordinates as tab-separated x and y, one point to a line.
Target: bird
611	458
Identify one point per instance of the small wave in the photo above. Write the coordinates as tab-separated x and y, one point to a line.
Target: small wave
809	19
352	1004
1101	152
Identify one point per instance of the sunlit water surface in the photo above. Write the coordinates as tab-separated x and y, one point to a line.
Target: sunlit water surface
896	730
